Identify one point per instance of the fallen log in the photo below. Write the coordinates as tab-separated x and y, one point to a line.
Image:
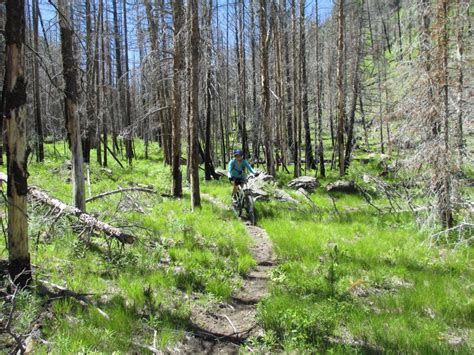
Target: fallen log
84	218
309	183
342	186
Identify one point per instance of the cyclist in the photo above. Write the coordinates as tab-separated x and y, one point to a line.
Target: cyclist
236	168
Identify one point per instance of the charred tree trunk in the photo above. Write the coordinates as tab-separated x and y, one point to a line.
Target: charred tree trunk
309	158
2	78
194	106
15	120
340	88
355	93
319	89
178	67
442	171
38	120
462	5
118	64
127	121
71	114
296	96
89	126
267	121
208	165
104	91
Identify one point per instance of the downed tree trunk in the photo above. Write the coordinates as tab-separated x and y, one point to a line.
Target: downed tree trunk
309	183
84	218
342	186
263	187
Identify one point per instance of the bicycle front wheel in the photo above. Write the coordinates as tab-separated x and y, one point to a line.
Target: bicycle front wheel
251	213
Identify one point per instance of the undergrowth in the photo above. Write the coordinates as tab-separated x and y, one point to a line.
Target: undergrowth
141	293
350	277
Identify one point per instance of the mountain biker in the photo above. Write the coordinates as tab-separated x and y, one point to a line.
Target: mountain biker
236	168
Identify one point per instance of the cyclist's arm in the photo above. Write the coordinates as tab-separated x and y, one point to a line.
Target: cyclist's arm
230	168
247	165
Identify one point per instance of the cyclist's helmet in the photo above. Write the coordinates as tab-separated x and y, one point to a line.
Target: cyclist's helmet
238	152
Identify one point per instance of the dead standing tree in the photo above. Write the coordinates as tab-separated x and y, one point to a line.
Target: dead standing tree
194	104
71	113
441	167
428	109
296	94
38	120
15	118
178	68
267	120
340	88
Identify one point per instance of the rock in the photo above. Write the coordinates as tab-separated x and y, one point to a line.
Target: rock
342	186
309	183
284	196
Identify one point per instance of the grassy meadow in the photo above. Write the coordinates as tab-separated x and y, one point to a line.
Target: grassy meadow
349	278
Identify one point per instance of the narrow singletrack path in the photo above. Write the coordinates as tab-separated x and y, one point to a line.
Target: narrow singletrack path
223	327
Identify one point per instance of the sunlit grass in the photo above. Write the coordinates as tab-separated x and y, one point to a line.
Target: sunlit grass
208	250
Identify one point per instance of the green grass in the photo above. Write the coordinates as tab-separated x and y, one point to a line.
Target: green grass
370	275
346	272
208	252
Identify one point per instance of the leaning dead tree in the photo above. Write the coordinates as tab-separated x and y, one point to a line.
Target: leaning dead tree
15	117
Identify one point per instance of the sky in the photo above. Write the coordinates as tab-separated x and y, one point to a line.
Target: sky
48	13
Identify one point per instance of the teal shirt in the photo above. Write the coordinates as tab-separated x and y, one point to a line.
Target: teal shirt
236	171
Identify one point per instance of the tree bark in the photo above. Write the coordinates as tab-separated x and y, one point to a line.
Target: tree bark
71	114
178	67
118	69
38	121
460	79
355	88
267	120
296	95
194	105
340	88
90	111
128	121
319	89
208	165
443	185
309	158
16	120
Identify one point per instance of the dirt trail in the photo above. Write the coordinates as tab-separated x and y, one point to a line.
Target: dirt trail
223	327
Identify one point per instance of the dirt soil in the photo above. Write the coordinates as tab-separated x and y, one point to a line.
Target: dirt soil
224	327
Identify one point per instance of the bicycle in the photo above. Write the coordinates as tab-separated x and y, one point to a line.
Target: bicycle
243	200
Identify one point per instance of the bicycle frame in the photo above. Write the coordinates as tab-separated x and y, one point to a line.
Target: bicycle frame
245	201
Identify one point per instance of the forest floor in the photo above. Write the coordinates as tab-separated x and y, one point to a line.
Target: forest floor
330	272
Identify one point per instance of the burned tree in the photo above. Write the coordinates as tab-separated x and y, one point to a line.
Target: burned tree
70	102
15	121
